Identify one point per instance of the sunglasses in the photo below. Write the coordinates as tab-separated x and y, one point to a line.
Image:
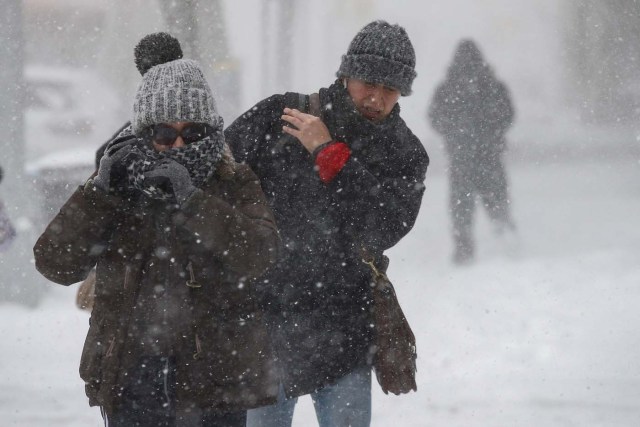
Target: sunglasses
162	134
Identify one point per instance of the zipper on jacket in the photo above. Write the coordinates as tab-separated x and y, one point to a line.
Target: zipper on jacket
165	381
127	272
192	282
198	352
112	344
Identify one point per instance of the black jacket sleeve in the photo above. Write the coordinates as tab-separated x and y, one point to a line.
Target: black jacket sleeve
71	244
378	210
253	129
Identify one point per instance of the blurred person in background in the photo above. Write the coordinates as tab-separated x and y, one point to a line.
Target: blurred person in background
472	110
7	232
348	179
175	228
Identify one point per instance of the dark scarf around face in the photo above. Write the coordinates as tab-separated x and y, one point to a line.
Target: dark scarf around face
200	158
345	121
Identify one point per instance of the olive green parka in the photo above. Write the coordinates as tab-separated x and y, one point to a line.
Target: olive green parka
202	254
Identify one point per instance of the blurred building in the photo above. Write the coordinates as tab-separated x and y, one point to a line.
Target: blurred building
80	75
603	58
63	32
101	34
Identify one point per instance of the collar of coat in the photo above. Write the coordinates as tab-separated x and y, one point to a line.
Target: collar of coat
341	116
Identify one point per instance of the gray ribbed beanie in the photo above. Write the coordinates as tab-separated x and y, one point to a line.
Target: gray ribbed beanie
175	91
381	53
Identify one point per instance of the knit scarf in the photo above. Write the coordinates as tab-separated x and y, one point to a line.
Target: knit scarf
201	159
344	120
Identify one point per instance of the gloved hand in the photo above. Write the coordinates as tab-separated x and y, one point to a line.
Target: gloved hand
111	172
172	177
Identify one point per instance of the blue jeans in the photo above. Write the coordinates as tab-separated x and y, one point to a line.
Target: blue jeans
347	403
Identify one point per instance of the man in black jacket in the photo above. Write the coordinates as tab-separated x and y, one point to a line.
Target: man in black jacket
472	110
349	179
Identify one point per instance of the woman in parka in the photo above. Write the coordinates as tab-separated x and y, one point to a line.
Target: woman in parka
175	229
472	110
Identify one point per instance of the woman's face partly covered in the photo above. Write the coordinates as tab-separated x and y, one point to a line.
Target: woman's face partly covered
165	136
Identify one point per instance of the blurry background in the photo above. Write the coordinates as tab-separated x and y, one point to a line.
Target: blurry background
69	77
68	73
573	68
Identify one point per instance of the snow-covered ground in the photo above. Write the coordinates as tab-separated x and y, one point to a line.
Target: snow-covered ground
545	336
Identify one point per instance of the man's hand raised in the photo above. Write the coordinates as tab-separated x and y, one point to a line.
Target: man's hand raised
307	128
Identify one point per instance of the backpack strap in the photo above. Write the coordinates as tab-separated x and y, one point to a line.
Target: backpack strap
309	104
299	101
303	102
314	104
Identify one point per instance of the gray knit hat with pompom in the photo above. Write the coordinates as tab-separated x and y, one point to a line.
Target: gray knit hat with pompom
381	53
175	91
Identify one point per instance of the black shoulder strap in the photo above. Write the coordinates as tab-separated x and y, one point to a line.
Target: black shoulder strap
306	103
314	104
309	104
299	101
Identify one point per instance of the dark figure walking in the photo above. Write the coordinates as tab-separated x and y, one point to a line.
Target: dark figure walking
472	110
348	179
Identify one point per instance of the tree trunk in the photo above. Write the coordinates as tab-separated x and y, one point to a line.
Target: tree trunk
18	278
181	20
200	28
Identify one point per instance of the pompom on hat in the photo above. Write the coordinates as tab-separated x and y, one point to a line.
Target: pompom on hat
154	49
381	53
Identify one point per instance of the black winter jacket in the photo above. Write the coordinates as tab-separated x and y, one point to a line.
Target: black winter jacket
472	109
317	297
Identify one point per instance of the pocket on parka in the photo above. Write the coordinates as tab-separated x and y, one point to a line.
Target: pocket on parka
96	347
232	364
